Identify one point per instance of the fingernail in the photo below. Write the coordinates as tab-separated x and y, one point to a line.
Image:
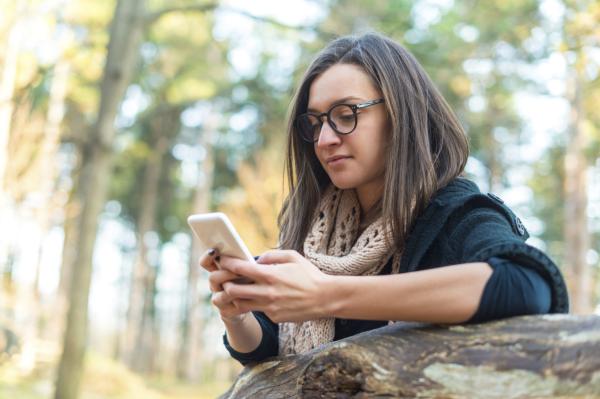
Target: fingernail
211	251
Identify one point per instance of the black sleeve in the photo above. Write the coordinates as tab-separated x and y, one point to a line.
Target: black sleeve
482	233
512	291
268	347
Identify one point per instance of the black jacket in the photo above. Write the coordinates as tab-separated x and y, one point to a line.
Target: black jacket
462	225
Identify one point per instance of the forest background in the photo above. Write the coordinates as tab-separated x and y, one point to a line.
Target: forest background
118	119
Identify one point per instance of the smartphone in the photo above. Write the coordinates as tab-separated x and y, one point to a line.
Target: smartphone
215	230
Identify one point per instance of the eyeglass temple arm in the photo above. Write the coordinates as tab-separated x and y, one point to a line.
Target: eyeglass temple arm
369	103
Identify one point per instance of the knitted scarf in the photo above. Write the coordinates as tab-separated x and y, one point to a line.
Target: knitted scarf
335	247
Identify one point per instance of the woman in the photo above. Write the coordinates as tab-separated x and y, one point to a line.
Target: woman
379	225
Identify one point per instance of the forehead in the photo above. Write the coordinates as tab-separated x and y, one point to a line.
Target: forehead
340	81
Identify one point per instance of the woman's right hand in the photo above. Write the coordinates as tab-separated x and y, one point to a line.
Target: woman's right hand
223	302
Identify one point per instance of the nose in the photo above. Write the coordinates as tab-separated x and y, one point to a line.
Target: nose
328	136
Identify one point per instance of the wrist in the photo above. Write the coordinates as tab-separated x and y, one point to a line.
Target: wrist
234	320
335	295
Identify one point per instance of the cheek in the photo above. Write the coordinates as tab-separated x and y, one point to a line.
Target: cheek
378	164
375	145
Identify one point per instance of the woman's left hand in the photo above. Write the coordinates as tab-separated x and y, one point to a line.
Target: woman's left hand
287	287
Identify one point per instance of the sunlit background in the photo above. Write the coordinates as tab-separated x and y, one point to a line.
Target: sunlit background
197	124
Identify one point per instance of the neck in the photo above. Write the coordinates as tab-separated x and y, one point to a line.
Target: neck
367	197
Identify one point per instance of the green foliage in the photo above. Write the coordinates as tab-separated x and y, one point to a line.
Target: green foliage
180	65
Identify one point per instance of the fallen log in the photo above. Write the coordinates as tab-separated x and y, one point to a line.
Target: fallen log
522	357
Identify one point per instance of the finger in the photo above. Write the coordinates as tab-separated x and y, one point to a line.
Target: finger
245	268
221	300
248	291
218	277
207	260
227	307
278	256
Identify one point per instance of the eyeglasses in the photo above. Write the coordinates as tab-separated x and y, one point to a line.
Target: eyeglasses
341	117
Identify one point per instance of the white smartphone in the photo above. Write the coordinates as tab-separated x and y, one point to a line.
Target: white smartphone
215	230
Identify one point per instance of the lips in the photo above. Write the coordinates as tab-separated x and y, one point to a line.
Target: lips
336	158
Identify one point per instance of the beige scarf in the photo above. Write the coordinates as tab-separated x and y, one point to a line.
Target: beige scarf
333	245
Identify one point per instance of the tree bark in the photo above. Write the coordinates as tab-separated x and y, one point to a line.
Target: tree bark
123	49
523	357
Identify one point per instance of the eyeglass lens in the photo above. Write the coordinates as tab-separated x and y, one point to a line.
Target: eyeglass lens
342	119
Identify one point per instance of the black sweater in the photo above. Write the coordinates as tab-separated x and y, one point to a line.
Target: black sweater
461	225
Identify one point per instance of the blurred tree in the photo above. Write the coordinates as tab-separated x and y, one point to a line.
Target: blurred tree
254	205
142	334
13	29
181	69
581	35
125	35
36	104
547	183
561	177
88	22
190	362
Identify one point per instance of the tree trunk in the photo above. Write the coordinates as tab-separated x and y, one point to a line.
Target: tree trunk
141	320
136	336
577	236
146	347
140	330
524	357
7	86
123	48
70	239
188	366
54	117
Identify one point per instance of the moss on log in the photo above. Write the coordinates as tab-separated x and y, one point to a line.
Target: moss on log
522	357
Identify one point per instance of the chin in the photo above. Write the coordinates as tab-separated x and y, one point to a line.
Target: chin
344	184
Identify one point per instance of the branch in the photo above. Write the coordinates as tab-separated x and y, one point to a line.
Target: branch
203	8
268	20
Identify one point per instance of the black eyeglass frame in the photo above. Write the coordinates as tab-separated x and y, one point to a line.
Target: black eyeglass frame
353	107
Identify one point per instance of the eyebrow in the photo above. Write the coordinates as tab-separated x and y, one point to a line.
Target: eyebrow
336	102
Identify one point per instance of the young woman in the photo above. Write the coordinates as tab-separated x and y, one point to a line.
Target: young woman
379	225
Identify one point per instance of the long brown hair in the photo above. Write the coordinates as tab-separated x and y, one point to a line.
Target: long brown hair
428	147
